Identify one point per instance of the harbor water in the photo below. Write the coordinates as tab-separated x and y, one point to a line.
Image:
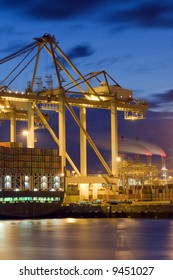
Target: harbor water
86	239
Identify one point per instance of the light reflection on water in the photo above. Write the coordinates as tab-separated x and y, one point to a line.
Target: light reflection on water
86	239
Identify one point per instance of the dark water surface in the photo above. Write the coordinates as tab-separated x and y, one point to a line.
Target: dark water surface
86	239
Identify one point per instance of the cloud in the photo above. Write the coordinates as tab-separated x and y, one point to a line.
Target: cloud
153	105
162	102
51	9
13	3
144	14
82	50
119	14
165	96
78	51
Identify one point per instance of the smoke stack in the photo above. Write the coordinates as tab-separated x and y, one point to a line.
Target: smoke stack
163	161
164	170
149	159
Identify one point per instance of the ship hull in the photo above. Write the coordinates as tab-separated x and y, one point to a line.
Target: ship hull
29	204
28	210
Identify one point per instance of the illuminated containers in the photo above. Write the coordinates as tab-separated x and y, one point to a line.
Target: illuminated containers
29	161
29	168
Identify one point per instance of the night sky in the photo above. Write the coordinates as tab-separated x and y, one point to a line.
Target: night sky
130	40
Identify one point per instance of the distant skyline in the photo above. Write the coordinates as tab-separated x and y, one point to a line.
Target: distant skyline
131	40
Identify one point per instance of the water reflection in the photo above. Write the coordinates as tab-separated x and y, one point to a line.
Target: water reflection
86	239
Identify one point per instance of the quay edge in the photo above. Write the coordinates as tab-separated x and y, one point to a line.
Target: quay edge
53	210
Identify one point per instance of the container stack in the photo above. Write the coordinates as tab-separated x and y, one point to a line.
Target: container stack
29	168
29	161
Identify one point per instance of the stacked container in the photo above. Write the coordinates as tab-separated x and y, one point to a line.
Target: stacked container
28	167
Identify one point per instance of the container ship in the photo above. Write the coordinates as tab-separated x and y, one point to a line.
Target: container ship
31	185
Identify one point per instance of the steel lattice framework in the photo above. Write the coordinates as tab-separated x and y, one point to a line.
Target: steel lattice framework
94	90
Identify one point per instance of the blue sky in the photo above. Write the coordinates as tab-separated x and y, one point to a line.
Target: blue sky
131	40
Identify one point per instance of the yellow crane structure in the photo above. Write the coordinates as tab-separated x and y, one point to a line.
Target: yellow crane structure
96	90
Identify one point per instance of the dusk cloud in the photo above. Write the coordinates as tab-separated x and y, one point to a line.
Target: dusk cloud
165	96
82	50
162	101
116	13
144	14
51	9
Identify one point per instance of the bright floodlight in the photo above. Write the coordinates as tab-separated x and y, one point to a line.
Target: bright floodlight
118	159
25	132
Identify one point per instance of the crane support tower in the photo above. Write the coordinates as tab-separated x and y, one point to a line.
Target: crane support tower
96	90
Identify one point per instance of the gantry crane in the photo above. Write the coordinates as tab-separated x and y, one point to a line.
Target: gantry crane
96	90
